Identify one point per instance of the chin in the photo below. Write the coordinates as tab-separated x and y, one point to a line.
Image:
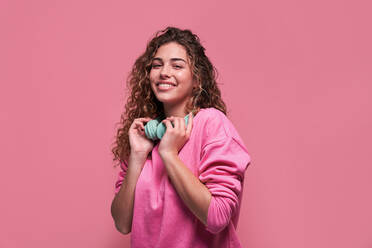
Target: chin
167	101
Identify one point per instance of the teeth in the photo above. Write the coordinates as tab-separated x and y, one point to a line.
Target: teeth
166	85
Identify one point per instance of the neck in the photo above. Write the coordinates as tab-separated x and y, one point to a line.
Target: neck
175	110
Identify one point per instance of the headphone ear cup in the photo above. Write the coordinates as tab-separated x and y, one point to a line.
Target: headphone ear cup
160	131
151	127
155	129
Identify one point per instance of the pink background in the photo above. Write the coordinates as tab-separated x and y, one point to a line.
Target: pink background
296	77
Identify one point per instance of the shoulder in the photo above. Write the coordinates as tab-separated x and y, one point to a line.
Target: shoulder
211	114
220	139
216	125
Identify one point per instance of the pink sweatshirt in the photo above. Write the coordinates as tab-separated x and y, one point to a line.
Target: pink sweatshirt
215	154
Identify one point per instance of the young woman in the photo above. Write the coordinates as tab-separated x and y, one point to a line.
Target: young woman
182	189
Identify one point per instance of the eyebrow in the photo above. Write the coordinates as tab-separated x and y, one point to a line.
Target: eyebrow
172	59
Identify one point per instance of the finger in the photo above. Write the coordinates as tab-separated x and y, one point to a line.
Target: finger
140	131
145	119
176	121
167	124
182	124
138	124
139	128
171	119
135	124
142	120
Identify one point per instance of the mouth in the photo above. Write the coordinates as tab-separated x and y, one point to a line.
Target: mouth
163	86
165	83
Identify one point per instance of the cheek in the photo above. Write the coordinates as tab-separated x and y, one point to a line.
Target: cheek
152	86
153	79
184	76
151	75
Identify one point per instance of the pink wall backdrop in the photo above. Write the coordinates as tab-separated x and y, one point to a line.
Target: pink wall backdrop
297	79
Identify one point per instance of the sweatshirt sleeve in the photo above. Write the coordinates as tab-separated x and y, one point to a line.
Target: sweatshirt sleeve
121	176
222	168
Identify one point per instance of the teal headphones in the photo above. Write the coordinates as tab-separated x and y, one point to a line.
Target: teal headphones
155	129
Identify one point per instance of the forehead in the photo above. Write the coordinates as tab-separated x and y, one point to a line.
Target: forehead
171	50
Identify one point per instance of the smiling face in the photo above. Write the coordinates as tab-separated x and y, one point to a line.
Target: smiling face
171	77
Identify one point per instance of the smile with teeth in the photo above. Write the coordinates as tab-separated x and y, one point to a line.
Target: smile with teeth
164	86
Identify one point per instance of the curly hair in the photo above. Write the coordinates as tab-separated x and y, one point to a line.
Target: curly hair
142	101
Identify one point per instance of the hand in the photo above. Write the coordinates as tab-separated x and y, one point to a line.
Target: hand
175	137
140	145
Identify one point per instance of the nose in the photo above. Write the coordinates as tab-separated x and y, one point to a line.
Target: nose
165	72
